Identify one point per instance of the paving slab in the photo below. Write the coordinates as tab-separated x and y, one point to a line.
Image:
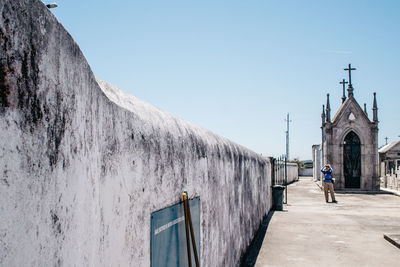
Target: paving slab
310	232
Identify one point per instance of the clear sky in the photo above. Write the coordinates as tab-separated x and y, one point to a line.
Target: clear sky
238	67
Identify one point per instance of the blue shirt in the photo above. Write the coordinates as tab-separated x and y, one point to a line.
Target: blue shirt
327	175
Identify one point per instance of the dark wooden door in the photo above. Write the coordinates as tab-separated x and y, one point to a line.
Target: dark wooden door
352	160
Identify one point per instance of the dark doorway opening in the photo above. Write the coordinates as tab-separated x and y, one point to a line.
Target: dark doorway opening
352	160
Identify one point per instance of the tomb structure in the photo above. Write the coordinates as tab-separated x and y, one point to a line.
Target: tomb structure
350	142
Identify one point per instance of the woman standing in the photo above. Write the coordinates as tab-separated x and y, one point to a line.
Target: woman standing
328	183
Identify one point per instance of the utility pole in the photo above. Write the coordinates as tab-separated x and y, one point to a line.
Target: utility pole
287	155
287	136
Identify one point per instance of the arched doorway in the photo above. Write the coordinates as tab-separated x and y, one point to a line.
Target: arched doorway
352	160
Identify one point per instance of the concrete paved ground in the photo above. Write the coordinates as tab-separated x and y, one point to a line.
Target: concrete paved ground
310	232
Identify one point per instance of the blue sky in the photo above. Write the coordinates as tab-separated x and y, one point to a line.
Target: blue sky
238	67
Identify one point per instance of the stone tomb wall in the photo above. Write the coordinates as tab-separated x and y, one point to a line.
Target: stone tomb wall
83	165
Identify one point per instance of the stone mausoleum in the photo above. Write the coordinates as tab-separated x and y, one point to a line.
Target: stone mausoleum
350	142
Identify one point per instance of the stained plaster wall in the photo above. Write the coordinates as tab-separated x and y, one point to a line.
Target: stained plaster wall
83	165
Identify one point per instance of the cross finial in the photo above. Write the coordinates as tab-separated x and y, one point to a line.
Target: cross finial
349	69
386	139
344	85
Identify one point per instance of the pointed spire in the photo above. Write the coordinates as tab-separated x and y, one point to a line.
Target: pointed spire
365	109
323	114
375	110
328	109
344	88
343	97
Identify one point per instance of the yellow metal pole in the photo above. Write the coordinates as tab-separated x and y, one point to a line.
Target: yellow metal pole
196	256
185	204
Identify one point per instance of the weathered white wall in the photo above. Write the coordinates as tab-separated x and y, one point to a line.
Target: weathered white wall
83	165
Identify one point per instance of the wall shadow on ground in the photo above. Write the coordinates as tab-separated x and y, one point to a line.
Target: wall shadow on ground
250	257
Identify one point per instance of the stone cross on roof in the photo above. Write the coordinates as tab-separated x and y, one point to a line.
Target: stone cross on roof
350	69
350	88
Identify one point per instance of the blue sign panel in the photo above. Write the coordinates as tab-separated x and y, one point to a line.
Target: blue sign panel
168	235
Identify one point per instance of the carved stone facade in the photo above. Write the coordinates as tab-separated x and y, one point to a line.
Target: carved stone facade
350	144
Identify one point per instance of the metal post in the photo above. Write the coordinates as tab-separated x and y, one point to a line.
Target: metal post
279	170
275	171
286	180
272	160
196	256
283	170
185	204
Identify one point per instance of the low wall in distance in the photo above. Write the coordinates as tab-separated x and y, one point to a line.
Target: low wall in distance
306	172
84	165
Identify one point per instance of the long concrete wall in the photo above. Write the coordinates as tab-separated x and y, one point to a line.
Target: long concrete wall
83	165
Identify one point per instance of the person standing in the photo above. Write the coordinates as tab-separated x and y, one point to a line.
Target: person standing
328	183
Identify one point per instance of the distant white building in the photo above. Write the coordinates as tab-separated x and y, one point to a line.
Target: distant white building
389	158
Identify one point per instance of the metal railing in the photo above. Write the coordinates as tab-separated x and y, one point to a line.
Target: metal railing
279	172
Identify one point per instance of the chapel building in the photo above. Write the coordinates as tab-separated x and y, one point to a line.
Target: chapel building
350	143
